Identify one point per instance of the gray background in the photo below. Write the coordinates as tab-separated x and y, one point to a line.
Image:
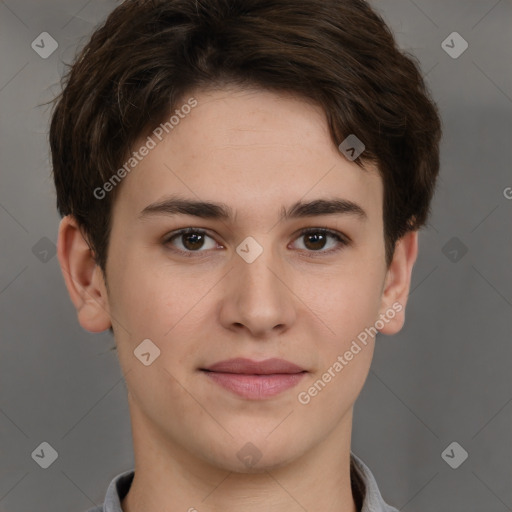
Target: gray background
444	378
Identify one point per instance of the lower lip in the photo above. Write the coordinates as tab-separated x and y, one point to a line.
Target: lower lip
256	387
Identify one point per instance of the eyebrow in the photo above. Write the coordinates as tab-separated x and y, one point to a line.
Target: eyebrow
210	210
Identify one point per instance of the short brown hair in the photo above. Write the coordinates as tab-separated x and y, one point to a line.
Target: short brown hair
149	54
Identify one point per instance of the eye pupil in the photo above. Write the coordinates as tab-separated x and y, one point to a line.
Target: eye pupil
317	236
196	243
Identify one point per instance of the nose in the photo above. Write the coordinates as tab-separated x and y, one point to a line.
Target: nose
258	296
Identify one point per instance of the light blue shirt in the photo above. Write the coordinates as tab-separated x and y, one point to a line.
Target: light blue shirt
364	487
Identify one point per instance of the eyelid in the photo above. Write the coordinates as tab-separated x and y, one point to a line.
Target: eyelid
342	239
183	231
327	231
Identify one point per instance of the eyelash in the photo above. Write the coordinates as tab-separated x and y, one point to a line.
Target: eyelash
342	240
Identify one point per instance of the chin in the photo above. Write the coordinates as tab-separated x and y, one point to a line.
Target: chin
252	457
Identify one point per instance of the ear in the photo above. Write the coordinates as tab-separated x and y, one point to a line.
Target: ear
397	284
84	278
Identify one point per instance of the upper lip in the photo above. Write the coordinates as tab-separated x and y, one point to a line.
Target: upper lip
250	367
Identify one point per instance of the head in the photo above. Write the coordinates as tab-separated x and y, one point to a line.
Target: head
245	104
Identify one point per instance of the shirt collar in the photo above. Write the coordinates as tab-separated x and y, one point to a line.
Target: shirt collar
364	487
363	482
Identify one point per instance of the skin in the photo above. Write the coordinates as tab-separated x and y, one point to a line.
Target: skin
255	151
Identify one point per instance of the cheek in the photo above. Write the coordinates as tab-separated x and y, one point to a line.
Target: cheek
349	307
140	289
351	298
160	304
149	305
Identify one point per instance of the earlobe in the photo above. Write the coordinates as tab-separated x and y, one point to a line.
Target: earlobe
83	277
397	284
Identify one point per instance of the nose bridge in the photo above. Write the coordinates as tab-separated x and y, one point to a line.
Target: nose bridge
257	267
260	297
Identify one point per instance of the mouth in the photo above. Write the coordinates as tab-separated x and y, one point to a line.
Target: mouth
255	380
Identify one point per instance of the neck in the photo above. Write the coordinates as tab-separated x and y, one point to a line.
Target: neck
168	477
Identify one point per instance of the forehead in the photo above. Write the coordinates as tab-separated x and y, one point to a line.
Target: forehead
256	151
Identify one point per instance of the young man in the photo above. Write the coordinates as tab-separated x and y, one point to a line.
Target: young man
242	183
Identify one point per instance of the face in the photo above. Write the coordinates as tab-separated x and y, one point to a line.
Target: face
253	284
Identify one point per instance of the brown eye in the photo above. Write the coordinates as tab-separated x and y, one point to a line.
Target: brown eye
316	239
192	240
